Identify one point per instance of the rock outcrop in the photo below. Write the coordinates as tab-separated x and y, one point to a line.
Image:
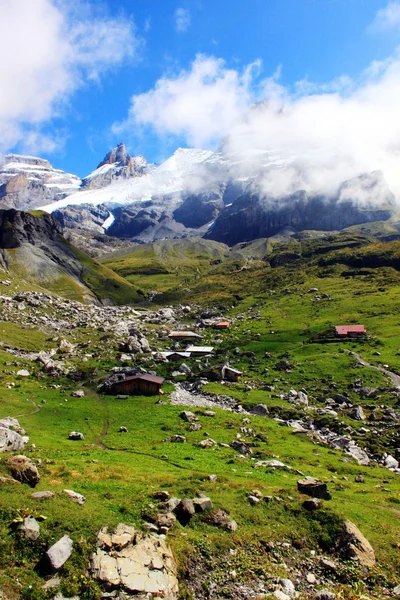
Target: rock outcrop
353	545
135	563
117	164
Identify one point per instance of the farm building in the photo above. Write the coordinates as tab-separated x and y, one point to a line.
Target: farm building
350	331
230	374
175	355
199	350
184	335
221	325
145	384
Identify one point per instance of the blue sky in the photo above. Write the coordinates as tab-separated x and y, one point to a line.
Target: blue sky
91	108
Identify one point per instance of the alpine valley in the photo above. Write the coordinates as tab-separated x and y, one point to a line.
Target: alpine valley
200	381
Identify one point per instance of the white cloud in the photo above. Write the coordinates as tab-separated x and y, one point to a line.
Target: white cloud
182	19
321	134
48	51
200	104
387	18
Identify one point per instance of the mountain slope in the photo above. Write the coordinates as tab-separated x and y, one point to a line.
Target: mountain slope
33	249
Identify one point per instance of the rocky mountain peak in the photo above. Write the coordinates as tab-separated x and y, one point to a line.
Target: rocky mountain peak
115	165
116	155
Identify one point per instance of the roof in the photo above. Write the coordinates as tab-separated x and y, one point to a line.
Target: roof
222	324
184	334
200	349
345	329
176	353
145	377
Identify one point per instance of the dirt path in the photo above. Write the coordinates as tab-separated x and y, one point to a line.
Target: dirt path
32	412
393	376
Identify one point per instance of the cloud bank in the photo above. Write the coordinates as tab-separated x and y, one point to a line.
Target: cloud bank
307	136
182	19
50	49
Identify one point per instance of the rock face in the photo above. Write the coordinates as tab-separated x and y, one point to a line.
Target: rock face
134	562
24	470
10	440
27	182
116	164
18	227
355	546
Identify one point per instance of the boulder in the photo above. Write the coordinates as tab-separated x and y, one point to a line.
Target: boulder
76	435
202	504
325	595
312	504
184	511
42	495
78	498
220	518
241	447
188	416
30	528
143	567
353	545
78	394
59	553
260	409
23	373
391	462
10	441
23	469
313	487
357	414
208	443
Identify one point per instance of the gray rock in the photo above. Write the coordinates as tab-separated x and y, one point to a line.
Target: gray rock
325	595
241	447
357	414
260	409
188	416
42	495
312	504
202	504
23	469
78	394
184	511
59	553
391	462
208	443
78	498
353	545
30	528
10	441
23	373
76	435
313	487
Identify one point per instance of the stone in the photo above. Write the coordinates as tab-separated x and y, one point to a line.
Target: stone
288	587
78	394
194	427
391	462
353	545
311	578
220	518
122	429
10	441
78	498
65	347
30	528
312	504
161	495
58	554
188	416
23	469
208	443
144	567
9	480
359	479
396	590
357	414
23	373
202	504
179	439
209	413
184	511
76	435
166	520
42	495
260	409
280	595
313	487
241	447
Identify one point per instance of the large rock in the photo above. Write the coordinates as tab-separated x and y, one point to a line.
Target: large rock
23	469
241	447
10	441
59	553
355	546
313	487
135	563
30	528
184	511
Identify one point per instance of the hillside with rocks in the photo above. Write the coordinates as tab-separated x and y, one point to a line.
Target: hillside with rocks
210	438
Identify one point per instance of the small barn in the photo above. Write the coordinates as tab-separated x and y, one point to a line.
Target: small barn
231	374
350	331
144	384
199	350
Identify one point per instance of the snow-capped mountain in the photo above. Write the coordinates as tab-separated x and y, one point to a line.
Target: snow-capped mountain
28	182
226	196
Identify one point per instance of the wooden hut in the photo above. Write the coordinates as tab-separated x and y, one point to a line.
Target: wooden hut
350	331
144	384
